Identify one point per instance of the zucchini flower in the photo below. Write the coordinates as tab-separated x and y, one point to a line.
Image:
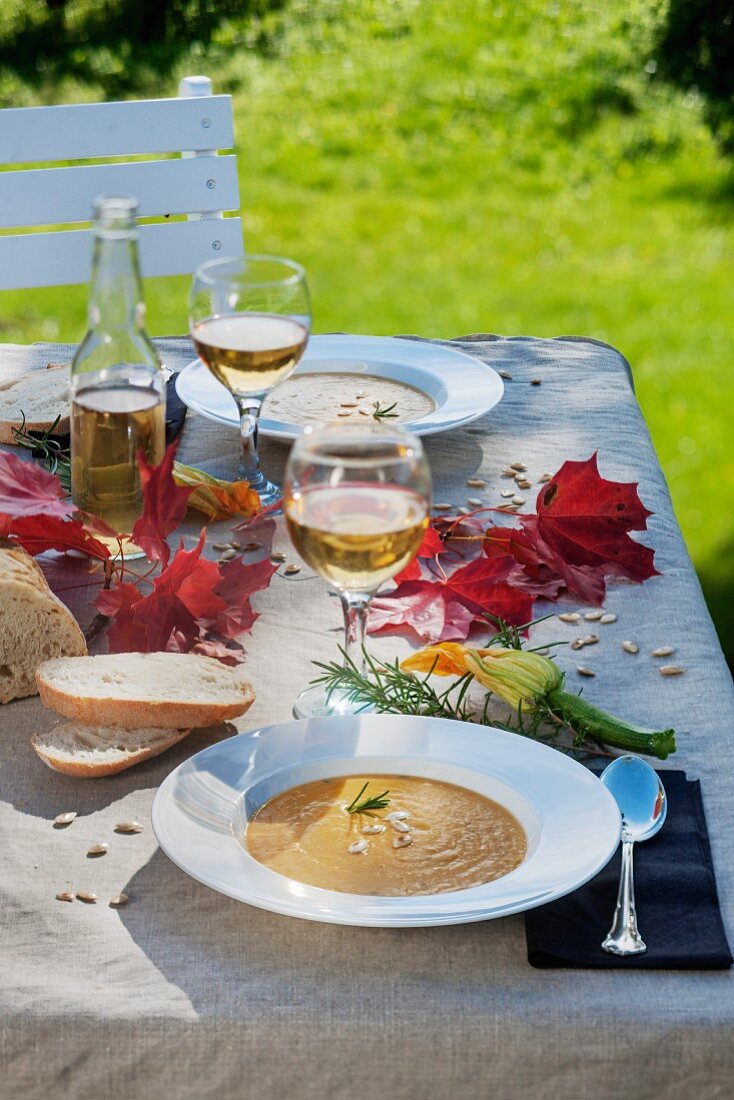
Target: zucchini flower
216	498
527	681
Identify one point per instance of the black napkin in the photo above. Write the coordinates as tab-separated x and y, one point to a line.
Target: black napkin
675	892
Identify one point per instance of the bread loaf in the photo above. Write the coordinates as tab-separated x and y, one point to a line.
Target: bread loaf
161	690
34	624
90	752
39	396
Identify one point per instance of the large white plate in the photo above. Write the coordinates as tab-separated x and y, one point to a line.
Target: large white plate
463	387
571	820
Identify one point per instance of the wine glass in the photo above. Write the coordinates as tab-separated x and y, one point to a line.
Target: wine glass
249	319
357	502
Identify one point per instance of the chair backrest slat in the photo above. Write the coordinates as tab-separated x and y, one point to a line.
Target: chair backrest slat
60	259
84	131
50	196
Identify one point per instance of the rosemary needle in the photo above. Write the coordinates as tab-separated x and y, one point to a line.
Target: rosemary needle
366	805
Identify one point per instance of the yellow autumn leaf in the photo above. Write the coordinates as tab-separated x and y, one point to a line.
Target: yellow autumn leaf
215	497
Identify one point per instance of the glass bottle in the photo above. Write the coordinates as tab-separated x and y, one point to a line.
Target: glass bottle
117	386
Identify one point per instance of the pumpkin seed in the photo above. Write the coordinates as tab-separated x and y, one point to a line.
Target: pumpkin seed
98	850
475	501
358	847
370	829
62	820
128	827
569	617
544	478
663	651
577	643
609	617
344	414
443	507
590	639
228	555
518	501
221	546
593	616
507	472
349	404
291	570
518	466
234	545
522	483
251	546
118	901
507	493
584	671
671	670
630	647
89	898
476	483
397	815
402	841
464	511
277	557
535	381
64	895
505	374
400	826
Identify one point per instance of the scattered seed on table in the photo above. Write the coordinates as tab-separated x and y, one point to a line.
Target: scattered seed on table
476	483
84	896
535	381
543	652
128	827
577	643
344	413
62	820
569	617
64	895
544	478
505	374
592	616
118	901
671	670
630	647
475	502
590	639
608	617
98	850
248	549
464	511
221	546
663	651
291	570
507	493
234	545
349	404
522	483
584	671
518	466
508	507
443	507
277	557
228	555
508	473
518	500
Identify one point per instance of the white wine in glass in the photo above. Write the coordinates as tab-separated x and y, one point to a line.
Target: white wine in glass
357	503
249	320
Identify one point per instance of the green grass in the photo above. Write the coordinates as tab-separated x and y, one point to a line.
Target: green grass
445	167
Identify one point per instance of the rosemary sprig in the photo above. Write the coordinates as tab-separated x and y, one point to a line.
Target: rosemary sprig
386	413
55	456
360	805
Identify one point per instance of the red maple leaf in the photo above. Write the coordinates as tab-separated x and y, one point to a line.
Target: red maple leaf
585	520
444	609
192	580
237	583
164	506
38	533
430	547
26	489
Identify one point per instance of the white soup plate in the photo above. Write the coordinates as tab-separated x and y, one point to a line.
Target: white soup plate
463	388
571	821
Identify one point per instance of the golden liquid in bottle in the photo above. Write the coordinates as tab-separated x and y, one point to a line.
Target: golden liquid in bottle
357	536
250	353
108	428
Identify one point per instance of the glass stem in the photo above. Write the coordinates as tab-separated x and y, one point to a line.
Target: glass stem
249	469
355	606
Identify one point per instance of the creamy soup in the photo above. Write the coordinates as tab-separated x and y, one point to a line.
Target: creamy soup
432	837
323	396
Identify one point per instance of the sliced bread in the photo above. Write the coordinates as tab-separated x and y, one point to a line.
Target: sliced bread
40	396
144	689
34	624
89	752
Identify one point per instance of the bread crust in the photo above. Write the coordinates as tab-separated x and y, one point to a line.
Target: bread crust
81	770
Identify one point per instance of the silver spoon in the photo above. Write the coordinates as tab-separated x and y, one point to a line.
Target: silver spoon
641	799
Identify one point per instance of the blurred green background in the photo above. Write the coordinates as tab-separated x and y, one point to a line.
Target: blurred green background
442	168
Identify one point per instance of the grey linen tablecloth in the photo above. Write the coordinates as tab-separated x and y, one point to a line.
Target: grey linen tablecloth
188	994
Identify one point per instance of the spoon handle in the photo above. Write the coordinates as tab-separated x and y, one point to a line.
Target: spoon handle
623	937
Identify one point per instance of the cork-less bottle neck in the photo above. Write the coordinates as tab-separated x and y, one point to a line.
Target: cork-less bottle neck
116	292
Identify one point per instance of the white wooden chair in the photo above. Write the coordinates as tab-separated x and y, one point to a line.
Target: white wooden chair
200	183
